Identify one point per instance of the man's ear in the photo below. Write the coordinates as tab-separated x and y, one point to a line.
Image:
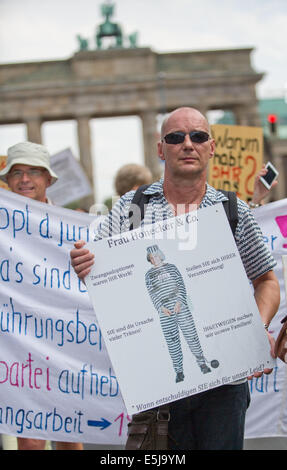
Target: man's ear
160	150
212	148
49	180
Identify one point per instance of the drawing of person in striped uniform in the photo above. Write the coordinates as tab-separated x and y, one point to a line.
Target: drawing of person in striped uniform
168	294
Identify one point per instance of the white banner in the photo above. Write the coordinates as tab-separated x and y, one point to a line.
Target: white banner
267	414
56	380
176	323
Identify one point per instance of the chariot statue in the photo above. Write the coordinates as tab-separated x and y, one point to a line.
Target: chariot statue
108	29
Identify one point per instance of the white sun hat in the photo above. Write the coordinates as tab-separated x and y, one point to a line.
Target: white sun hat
28	153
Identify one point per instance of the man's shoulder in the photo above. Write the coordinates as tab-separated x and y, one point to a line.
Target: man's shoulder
127	198
214	196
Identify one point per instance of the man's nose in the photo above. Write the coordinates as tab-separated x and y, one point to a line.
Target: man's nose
187	141
25	176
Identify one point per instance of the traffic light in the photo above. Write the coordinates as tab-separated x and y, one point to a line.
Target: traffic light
272	119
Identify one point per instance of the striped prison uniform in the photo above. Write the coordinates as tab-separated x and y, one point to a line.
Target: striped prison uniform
166	288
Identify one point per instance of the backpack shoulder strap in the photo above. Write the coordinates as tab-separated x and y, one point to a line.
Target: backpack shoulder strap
140	200
231	208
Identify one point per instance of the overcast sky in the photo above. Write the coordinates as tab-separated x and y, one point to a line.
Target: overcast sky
43	30
35	30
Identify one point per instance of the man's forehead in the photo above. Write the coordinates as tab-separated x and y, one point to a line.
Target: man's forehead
186	118
21	166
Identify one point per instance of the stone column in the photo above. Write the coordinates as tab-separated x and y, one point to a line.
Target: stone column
149	126
203	109
84	139
33	130
247	115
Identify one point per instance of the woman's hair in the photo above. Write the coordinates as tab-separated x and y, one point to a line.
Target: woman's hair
130	176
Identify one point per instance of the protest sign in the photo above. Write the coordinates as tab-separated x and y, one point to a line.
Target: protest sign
56	379
267	414
2	165
72	183
237	159
141	307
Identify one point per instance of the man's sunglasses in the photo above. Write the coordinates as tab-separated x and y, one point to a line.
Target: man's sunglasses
197	137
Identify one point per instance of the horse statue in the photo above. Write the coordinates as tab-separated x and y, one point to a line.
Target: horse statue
84	44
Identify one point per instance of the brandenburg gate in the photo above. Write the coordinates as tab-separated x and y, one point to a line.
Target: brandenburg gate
122	81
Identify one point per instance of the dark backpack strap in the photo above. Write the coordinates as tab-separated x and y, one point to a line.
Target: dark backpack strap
231	208
140	200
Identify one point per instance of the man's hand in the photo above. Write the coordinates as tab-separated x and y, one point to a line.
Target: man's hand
260	191
166	311
267	296
81	259
265	371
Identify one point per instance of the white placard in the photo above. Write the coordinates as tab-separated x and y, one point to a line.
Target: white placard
143	345
72	183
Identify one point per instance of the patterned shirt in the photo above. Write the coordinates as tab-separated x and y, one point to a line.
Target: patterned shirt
254	254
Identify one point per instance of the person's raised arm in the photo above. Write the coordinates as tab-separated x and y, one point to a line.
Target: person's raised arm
260	192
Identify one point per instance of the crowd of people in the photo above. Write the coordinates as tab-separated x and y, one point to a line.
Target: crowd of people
213	419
